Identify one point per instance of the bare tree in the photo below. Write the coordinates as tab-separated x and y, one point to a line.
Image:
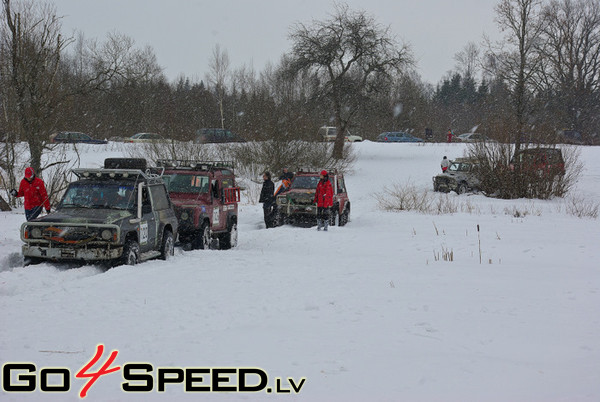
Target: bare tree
352	56
516	58
219	69
467	60
31	45
571	46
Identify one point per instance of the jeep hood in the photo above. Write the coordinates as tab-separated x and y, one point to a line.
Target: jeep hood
86	215
300	195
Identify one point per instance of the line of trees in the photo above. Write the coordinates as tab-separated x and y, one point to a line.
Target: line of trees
345	70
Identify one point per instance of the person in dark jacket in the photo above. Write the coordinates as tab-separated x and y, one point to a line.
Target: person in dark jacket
268	199
33	189
324	200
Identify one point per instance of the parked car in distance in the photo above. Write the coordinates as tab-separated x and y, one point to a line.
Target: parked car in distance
462	176
570	137
216	135
473	137
397	136
145	137
330	134
72	137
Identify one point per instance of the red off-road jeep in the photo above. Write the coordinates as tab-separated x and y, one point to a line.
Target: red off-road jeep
205	199
296	205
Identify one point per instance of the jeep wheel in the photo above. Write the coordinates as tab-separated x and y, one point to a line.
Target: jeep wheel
202	239
131	253
167	249
345	217
229	239
461	189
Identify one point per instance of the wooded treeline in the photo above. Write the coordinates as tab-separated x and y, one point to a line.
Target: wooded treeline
542	77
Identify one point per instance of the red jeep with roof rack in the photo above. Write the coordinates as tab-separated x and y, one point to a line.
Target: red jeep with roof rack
205	199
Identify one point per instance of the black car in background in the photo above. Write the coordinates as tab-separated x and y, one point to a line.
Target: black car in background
216	135
72	137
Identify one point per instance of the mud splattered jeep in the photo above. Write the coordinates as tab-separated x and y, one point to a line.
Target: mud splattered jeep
206	200
296	205
461	176
120	214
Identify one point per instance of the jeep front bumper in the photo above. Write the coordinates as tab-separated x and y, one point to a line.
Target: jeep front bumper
72	253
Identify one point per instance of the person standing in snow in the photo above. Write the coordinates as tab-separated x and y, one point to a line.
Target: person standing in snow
445	164
324	200
268	199
449	135
286	181
286	175
33	189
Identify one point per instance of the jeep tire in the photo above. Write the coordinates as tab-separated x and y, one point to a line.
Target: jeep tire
131	253
167	249
344	217
201	240
230	239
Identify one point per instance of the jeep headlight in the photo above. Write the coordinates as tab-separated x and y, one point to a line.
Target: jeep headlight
36	233
106	234
184	215
282	199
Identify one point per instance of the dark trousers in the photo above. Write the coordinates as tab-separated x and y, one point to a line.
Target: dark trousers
31	214
269	210
323	213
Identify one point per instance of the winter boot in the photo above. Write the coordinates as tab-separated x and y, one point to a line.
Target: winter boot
319	224
325	224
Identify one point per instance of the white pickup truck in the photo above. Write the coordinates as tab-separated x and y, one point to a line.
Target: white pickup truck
330	133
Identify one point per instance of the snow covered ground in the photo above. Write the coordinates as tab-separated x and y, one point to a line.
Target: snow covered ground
367	312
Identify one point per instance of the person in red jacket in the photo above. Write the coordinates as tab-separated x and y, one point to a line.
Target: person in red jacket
33	189
324	200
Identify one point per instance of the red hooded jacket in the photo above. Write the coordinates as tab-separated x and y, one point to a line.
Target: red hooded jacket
324	194
35	193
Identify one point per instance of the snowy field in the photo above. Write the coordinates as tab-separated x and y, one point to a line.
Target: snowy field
367	312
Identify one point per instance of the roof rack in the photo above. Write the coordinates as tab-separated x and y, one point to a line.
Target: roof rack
192	164
330	170
100	173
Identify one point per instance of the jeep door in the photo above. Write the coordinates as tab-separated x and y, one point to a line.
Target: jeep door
163	212
219	210
148	223
342	196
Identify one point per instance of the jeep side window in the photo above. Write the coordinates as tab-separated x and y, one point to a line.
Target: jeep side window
215	189
159	197
145	198
341	187
226	183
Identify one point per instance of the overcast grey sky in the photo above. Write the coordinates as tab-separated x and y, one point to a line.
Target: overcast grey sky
183	33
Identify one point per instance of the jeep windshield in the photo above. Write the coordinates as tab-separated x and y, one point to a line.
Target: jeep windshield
107	195
305	182
187	183
460	167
